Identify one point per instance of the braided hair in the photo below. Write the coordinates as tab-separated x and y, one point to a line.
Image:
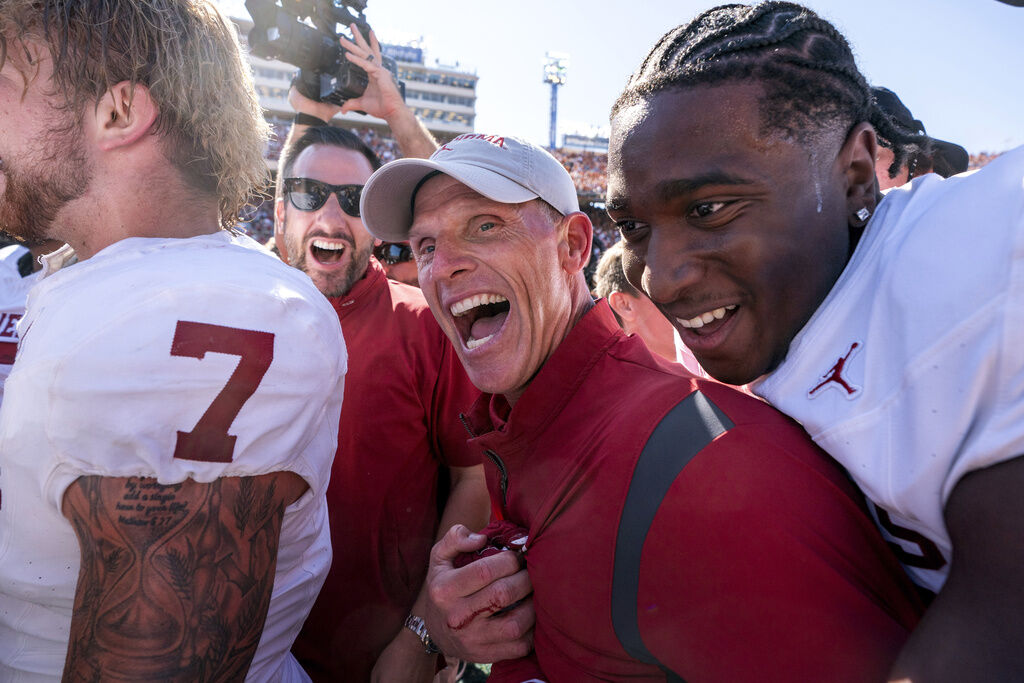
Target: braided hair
810	78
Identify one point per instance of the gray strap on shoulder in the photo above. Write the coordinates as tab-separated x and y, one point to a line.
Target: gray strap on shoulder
690	426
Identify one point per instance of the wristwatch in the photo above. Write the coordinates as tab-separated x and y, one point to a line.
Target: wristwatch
303	119
419	627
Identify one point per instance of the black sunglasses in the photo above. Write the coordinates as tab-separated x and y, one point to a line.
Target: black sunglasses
307	194
391	253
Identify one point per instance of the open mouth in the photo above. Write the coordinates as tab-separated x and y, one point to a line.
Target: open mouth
327	252
478	318
708	322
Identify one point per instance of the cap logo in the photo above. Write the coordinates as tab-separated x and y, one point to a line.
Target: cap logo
496	140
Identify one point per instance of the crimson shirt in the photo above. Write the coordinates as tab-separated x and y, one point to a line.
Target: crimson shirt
399	427
760	563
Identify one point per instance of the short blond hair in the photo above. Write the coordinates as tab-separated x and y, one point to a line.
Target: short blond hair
185	52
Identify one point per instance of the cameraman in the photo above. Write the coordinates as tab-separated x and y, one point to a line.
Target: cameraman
399	434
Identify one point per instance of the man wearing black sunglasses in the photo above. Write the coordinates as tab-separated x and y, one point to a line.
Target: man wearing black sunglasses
401	445
396	257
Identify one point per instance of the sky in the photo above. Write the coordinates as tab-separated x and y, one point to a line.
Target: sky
957	64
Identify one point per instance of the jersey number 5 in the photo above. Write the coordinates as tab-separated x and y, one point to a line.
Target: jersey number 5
930	556
209	441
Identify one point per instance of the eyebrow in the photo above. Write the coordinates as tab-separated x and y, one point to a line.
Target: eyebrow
671	189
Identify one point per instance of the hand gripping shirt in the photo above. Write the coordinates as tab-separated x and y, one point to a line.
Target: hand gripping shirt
758	562
122	357
911	372
399	431
13	293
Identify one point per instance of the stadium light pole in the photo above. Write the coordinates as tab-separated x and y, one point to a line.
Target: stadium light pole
556	67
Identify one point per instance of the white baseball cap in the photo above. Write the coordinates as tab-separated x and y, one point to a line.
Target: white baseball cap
505	169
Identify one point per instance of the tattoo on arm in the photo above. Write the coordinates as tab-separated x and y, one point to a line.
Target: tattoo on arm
176	579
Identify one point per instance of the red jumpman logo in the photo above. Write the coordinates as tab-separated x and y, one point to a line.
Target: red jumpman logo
835	374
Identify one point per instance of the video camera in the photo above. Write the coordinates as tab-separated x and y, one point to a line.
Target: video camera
325	75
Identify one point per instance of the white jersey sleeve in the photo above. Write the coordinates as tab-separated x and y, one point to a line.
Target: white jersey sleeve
911	373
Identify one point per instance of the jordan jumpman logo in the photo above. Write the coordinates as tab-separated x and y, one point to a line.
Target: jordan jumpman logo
834	377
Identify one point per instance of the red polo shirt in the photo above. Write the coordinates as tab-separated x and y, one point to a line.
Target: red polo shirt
399	429
757	561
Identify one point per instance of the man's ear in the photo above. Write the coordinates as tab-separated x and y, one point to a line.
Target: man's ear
123	115
279	240
857	164
623	306
579	234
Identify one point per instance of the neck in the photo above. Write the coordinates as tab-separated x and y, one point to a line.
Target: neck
581	302
142	204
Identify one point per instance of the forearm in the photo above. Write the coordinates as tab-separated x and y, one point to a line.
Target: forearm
177	589
468	504
413	138
961	641
974	628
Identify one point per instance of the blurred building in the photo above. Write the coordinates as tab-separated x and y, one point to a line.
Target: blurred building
443	97
579	142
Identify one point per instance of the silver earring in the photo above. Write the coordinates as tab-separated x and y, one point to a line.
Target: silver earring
863	213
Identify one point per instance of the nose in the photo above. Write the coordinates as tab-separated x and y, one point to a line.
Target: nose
450	260
671	266
331	212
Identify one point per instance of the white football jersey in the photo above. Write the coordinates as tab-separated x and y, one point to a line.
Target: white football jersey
911	373
123	358
13	292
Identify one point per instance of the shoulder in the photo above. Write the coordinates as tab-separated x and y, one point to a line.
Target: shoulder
216	278
411	315
409	303
9	256
760	522
977	210
720	435
160	341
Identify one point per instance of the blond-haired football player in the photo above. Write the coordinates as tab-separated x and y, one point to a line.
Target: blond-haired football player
168	427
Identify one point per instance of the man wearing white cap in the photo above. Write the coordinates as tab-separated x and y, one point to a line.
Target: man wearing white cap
673	524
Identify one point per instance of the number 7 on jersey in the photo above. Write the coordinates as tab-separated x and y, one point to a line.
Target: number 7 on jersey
209	440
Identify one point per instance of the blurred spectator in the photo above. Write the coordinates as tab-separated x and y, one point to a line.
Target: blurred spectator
586	168
398	262
635	313
604	230
257	221
981	159
19	270
936	156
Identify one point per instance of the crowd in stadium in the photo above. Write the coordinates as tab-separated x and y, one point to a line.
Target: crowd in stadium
734	406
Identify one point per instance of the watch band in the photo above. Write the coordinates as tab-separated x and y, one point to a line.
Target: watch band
419	627
302	119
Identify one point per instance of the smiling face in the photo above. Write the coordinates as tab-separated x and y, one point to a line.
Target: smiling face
43	163
327	244
501	279
735	232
